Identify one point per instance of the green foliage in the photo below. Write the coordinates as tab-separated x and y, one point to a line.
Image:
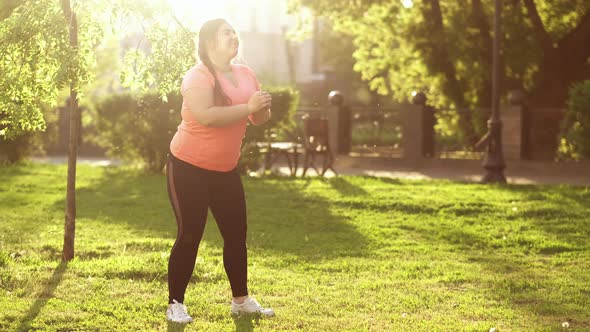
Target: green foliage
171	53
23	146
447	53
7	6
137	127
574	142
382	128
33	63
37	62
561	16
15	150
280	127
4	259
285	101
400	50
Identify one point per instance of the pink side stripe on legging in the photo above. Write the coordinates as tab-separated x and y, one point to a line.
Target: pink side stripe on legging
174	198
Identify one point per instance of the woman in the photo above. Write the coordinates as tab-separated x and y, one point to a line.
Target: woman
218	99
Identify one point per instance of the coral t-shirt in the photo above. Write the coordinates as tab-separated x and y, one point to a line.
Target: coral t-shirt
213	148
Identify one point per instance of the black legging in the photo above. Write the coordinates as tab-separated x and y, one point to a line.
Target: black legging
192	190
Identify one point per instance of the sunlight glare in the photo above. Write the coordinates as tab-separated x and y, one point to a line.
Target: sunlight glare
196	12
407	3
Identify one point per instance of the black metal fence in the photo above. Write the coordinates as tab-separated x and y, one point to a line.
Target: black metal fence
379	131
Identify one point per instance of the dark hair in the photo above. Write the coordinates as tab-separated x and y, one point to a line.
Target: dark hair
208	34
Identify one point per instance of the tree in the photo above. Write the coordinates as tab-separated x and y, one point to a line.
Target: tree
334	54
562	33
7	6
53	51
444	48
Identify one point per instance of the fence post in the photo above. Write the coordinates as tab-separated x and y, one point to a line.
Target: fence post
513	131
341	124
413	129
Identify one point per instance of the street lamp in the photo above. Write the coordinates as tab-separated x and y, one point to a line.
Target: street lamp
494	158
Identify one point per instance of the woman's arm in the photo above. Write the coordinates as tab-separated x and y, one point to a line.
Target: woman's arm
260	117
201	106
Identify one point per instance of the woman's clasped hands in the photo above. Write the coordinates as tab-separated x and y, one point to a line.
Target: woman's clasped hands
259	101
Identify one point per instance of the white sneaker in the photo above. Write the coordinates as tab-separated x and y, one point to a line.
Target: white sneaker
177	313
250	306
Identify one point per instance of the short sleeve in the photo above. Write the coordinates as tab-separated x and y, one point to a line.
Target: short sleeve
197	77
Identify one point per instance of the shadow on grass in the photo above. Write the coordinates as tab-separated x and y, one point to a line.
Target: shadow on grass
175	327
282	215
8	172
526	288
556	223
560	211
345	188
246	322
43	297
547	220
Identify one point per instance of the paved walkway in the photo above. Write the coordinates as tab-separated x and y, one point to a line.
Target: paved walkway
516	172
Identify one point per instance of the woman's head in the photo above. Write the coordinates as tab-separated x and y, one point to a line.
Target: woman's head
218	40
218	43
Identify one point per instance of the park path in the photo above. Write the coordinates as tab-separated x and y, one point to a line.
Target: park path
516	172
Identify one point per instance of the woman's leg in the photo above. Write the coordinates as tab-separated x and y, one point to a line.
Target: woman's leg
189	195
228	206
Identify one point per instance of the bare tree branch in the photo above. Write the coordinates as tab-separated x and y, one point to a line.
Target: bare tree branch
485	51
577	41
546	41
432	13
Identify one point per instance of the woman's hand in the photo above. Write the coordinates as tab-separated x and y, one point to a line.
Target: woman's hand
260	100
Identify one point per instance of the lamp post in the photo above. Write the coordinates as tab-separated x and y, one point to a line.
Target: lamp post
494	158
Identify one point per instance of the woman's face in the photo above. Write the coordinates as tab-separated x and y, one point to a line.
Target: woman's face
226	42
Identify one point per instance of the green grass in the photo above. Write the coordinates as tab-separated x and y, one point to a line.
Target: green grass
343	254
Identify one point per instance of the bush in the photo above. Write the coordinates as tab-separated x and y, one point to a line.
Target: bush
140	127
574	139
137	127
23	146
285	101
17	149
280	127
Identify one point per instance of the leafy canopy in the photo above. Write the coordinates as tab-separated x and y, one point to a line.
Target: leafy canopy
444	47
37	62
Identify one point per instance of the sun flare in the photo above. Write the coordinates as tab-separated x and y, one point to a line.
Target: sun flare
198	11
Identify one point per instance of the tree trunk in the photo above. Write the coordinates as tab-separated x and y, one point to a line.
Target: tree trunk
441	63
479	21
564	61
557	73
70	218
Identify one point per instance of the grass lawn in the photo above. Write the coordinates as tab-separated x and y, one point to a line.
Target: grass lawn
342	254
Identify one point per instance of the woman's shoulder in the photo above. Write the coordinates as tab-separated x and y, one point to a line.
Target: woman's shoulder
198	76
199	70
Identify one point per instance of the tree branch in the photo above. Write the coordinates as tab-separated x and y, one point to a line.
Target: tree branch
586	70
577	41
546	42
66	9
180	24
440	60
485	49
481	23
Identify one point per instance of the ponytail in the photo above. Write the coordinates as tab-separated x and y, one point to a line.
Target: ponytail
207	34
